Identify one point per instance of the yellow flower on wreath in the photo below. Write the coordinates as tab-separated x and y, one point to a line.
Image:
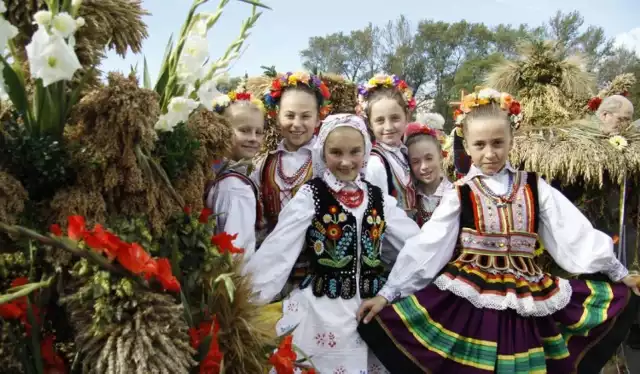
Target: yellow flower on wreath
619	142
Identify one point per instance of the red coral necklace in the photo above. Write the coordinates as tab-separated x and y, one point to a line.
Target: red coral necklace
350	199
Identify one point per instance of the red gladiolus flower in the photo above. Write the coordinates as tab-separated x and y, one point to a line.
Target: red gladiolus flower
77	227
204	215
54	364
514	108
284	358
104	241
10	311
224	242
55	229
165	276
211	363
135	259
187	210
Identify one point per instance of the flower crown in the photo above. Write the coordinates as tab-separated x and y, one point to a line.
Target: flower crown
222	102
486	96
389	81
273	94
417	128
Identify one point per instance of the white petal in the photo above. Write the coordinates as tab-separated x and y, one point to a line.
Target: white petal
58	62
3	7
63	24
43	17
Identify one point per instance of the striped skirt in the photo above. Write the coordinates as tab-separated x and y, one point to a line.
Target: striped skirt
473	321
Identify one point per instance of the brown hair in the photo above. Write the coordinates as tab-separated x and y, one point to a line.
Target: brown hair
303	88
386	93
492	110
415	138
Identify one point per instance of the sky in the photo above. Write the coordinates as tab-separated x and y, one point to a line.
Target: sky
281	33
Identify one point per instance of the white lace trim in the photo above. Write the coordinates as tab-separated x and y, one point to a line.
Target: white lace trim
524	306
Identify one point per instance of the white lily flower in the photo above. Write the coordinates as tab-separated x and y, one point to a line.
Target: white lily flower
63	24
3	7
43	18
7	32
180	108
207	93
55	62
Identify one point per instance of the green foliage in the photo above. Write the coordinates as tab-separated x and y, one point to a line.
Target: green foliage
40	163
177	151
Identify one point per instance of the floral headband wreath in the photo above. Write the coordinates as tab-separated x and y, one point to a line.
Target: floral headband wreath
380	81
241	94
278	85
486	96
417	128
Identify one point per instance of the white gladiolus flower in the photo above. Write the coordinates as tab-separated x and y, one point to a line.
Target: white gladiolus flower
196	49
76	3
53	61
63	24
163	124
180	108
199	28
3	88
43	18
207	93
3	7
7	32
80	22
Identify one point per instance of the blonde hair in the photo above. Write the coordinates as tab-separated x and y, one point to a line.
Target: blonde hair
487	111
386	93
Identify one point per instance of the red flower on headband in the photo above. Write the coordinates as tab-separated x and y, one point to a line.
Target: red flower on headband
594	103
415	128
243	96
457	113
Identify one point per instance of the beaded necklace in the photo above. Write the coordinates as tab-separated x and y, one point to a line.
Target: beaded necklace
291	180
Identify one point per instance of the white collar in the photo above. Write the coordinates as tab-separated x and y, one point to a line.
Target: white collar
475	171
444	185
337	185
308	147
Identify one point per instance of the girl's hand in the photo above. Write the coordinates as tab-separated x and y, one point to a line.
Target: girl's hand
371	307
632	281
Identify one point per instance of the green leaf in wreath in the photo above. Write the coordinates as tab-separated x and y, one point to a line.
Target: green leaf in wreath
228	283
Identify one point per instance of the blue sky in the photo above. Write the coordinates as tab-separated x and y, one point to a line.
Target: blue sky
281	33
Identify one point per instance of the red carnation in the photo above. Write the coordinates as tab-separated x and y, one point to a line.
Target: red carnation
594	103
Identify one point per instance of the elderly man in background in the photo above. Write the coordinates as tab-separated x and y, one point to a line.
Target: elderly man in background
615	113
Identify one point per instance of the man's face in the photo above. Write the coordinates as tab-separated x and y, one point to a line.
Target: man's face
615	121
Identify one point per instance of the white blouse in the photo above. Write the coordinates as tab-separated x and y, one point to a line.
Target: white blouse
234	204
271	265
566	233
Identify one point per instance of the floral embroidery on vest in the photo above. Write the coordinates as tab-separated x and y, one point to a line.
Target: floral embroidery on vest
332	242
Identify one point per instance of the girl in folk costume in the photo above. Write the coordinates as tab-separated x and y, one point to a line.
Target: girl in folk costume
338	219
232	195
424	145
297	101
387	102
489	307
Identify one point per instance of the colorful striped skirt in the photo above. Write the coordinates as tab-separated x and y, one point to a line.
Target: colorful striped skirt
474	321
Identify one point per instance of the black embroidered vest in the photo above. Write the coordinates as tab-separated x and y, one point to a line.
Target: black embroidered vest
332	241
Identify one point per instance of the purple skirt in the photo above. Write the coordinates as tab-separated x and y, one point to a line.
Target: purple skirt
437	331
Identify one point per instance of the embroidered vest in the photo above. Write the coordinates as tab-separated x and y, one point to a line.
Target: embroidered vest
406	196
332	245
500	235
236	174
271	191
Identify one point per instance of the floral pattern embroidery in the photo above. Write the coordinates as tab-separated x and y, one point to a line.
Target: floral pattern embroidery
334	240
371	241
340	370
292	307
328	339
